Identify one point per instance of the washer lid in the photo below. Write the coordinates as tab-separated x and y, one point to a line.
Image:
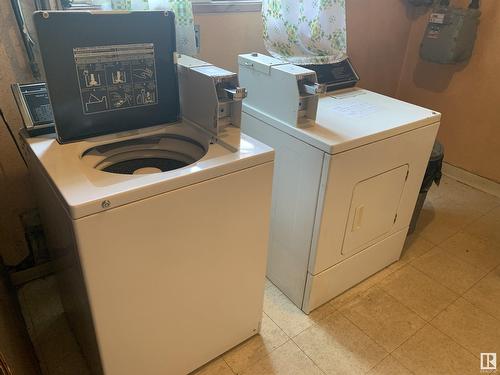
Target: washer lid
105	78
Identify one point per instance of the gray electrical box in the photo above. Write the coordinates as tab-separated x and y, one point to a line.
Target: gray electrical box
450	35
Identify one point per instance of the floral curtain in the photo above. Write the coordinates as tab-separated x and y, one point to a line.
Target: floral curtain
305	31
184	23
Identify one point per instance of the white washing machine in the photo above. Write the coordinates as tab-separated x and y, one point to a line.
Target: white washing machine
162	230
348	170
163	271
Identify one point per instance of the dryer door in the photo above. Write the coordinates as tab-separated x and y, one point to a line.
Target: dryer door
361	191
374	206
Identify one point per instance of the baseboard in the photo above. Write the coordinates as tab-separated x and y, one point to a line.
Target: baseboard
471	179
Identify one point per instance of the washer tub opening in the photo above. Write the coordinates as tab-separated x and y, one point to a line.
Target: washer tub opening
152	154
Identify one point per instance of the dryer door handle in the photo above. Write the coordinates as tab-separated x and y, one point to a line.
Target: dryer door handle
358	218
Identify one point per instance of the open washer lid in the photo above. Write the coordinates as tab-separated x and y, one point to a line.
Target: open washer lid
108	72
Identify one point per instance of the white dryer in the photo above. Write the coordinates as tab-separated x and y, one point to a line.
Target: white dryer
162	230
348	170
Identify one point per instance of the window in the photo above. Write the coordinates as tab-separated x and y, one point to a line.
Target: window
199	6
216	6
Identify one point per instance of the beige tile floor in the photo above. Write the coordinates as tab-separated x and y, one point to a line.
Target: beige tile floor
432	312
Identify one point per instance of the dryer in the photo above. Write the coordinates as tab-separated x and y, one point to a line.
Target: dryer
163	260
348	170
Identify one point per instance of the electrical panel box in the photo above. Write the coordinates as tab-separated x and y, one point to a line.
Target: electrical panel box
450	35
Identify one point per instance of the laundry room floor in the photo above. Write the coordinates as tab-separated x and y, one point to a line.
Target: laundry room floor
432	312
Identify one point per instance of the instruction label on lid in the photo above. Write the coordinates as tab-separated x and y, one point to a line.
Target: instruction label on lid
116	77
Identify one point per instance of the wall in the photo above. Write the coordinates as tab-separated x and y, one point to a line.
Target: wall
467	94
14	196
377	45
14	186
225	35
371	40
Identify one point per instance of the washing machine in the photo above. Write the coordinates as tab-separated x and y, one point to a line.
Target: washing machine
349	165
160	225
